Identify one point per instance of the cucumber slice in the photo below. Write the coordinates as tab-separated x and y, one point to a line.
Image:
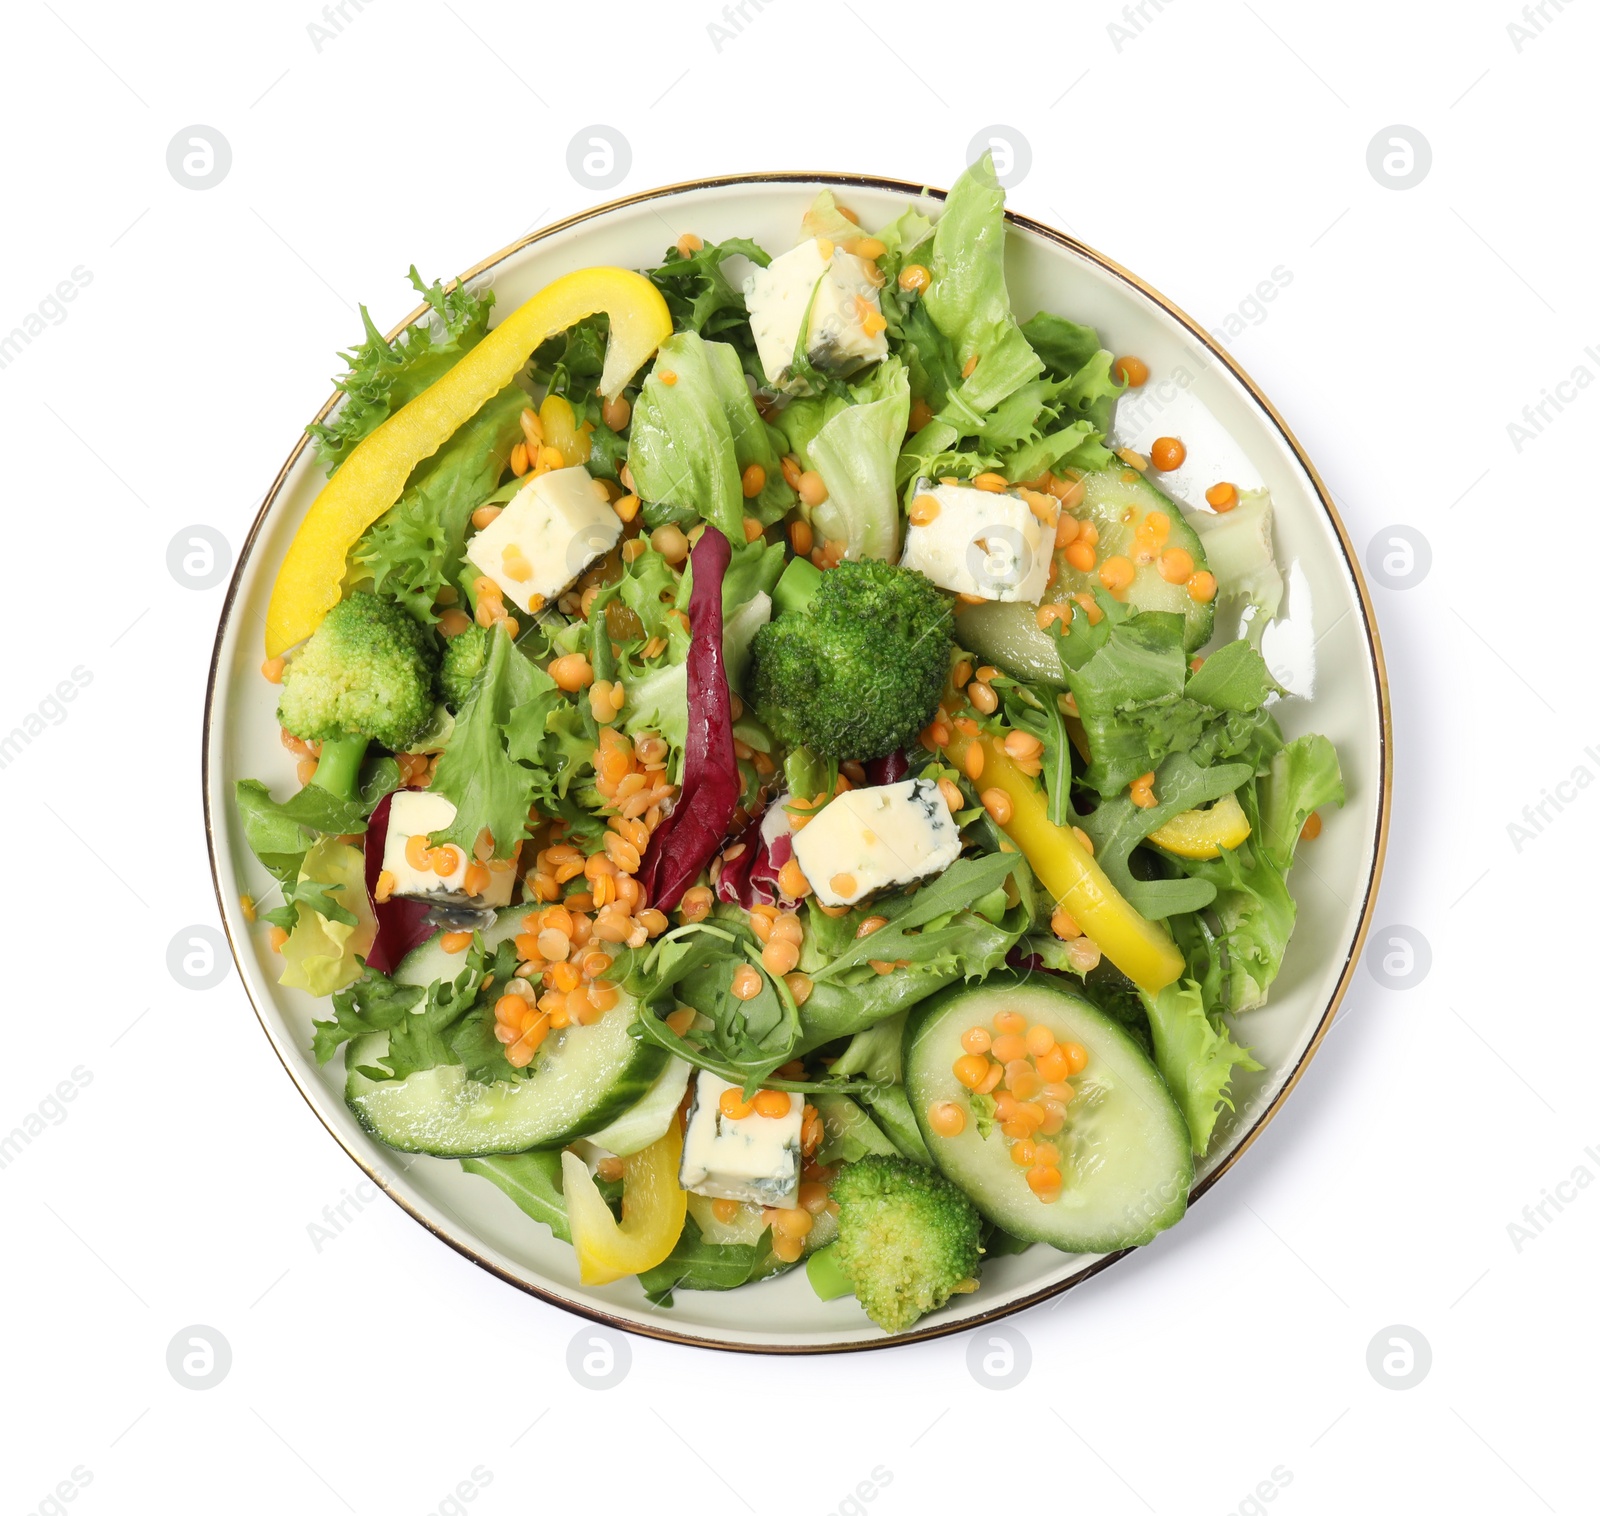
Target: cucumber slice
585	1077
849	1132
647	1121
1125	1148
429	963
1008	635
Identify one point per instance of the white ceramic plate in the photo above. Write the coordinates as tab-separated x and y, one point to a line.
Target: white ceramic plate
1326	648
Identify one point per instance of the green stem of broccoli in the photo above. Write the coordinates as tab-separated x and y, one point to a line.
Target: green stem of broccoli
826	1277
339	766
796	586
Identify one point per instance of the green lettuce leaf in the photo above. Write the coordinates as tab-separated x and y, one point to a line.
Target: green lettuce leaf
691	440
968	301
1254	910
451	1022
487	786
1139	701
1238	546
275	839
373	1003
1303	778
700	296
1063	346
854	445
326	947
1196	1057
416	547
384	376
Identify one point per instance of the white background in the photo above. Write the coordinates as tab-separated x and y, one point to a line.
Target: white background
1204	146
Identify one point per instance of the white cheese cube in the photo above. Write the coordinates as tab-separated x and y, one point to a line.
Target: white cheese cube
832	294
414	812
754	1159
554	527
877	838
980	542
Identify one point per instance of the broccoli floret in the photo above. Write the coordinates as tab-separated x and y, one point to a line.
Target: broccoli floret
365	675
908	1238
857	670
464	657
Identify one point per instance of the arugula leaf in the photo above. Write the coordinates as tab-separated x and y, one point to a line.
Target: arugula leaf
1117	826
533	1181
382	376
476	773
837	1009
1196	1057
914	930
695	966
1039	714
471	1039
695	1264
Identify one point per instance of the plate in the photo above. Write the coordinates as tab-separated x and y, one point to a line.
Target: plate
1325	650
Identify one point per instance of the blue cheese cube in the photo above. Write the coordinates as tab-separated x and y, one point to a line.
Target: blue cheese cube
833	295
885	836
986	543
413	812
755	1159
555	526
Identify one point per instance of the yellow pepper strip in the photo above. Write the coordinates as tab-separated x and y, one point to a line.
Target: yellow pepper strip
1204	834
1066	868
653	1208
375	473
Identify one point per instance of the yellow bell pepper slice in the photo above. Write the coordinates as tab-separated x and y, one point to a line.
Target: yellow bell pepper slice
1066	868
1204	834
653	1208
375	473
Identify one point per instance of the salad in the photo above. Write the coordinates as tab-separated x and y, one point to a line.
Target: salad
776	786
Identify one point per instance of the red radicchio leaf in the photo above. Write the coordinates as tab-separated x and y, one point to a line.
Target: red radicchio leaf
889	769
687	840
752	877
402	924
